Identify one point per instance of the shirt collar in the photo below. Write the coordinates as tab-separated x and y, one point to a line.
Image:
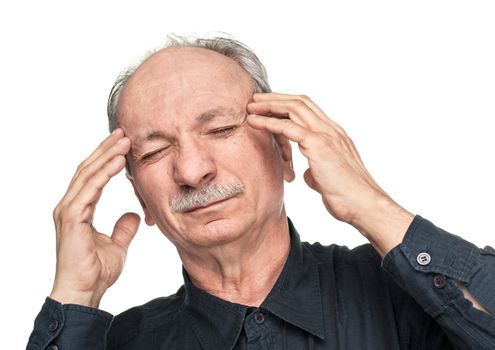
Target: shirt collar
216	322
295	298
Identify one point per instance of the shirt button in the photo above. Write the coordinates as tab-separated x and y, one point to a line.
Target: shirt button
52	347
259	318
423	259
53	326
439	281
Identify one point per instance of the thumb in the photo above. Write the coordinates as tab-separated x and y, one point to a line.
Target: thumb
125	229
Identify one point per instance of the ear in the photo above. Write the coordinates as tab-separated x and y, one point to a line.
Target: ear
147	217
286	153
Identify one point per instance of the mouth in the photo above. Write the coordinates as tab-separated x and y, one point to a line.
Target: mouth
206	205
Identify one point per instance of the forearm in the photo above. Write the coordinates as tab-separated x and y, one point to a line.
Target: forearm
70	326
383	222
451	279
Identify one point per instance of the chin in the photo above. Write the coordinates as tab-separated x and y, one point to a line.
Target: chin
217	232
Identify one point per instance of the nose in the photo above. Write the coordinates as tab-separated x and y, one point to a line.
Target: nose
194	165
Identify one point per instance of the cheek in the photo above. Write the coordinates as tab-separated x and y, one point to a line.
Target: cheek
155	183
257	153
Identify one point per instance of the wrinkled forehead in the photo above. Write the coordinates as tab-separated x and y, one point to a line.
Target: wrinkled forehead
182	84
183	110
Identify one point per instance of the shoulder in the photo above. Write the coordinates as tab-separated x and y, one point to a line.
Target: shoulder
157	313
348	268
342	256
355	272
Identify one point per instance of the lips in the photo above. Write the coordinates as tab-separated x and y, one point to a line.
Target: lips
206	205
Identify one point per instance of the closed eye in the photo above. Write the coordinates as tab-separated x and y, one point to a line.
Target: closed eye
223	131
154	154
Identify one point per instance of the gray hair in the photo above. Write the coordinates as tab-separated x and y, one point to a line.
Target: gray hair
228	47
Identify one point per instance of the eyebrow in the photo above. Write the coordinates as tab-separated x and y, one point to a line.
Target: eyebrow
203	118
211	114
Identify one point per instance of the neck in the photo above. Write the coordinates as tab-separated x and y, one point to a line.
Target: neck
245	270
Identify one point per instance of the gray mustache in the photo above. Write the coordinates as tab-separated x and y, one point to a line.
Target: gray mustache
191	198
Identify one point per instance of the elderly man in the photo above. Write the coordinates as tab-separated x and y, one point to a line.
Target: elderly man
206	148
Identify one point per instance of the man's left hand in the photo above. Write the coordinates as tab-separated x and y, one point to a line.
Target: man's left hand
335	170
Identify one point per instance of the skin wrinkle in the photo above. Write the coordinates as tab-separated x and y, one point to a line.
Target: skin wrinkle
236	248
204	118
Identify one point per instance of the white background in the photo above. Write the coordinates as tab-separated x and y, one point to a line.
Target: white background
413	83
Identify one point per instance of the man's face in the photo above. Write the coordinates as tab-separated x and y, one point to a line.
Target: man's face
201	173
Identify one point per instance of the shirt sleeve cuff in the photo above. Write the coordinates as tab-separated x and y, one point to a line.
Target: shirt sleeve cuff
430	262
69	326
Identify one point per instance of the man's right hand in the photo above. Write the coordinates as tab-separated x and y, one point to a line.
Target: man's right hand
89	262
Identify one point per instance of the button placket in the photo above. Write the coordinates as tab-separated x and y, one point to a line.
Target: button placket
259	331
259	318
52	327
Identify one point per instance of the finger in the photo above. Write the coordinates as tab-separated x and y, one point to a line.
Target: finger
280	96
109	141
102	147
85	201
284	127
336	130
296	110
317	110
125	229
84	175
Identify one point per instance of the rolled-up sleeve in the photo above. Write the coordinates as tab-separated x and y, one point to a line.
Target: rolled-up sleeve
69	326
430	264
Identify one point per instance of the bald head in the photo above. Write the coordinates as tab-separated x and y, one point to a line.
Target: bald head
172	77
181	64
226	47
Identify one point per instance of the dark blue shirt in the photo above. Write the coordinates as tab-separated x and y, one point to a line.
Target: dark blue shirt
327	297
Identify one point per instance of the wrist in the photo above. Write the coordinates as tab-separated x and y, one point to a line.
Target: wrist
88	299
384	223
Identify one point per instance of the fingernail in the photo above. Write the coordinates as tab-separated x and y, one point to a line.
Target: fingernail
115	131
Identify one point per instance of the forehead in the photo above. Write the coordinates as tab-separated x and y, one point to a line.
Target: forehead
177	84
